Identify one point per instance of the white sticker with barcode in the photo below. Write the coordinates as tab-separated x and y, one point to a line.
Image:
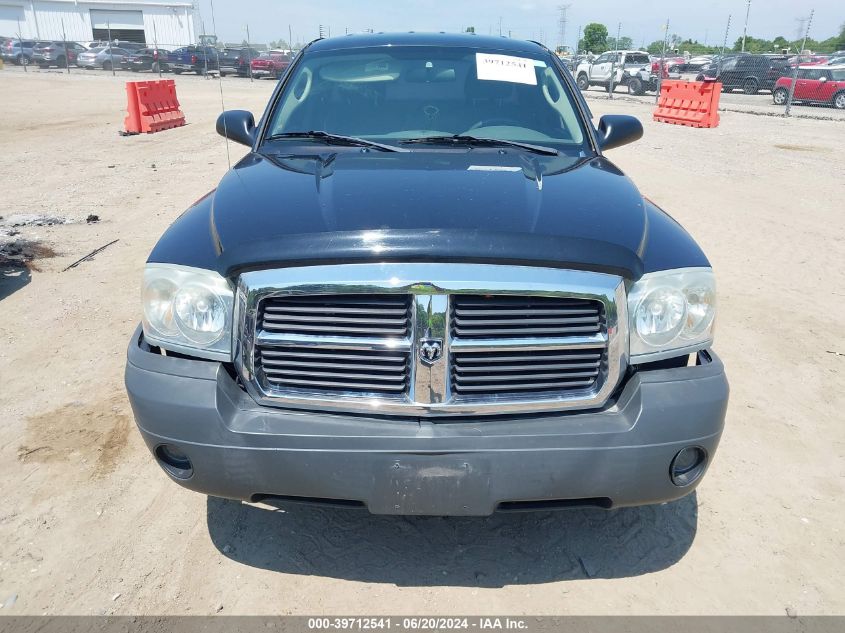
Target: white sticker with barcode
519	70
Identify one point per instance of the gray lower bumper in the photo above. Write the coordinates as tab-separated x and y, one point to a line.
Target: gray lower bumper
618	456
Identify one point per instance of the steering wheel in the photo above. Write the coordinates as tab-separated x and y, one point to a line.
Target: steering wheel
496	121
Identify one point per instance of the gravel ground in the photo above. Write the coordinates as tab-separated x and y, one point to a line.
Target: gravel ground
90	525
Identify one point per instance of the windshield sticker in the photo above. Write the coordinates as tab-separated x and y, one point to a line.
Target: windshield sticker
518	70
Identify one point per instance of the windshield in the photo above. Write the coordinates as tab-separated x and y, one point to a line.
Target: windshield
407	92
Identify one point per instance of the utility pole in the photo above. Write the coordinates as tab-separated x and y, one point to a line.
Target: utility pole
290	39
613	62
745	28
662	68
578	41
563	9
111	49
249	53
500	25
20	43
795	70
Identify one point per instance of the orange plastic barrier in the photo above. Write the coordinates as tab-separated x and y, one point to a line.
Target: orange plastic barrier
692	103
152	106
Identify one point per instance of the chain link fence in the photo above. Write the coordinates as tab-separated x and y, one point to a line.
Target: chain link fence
803	76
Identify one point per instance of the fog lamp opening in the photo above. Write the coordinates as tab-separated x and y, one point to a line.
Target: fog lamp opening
688	465
174	461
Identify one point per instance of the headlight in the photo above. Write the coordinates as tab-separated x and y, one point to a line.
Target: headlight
671	312
188	310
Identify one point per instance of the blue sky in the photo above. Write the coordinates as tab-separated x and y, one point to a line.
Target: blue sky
641	20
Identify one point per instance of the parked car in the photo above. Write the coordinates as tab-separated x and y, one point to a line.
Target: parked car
473	309
56	53
749	73
814	84
152	59
631	69
270	64
807	60
194	59
104	58
691	65
18	51
236	61
671	63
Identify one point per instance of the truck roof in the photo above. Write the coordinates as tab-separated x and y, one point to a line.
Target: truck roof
470	40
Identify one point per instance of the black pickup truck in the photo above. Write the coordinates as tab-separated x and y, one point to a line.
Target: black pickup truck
426	290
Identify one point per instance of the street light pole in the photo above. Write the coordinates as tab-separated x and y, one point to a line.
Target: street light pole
745	28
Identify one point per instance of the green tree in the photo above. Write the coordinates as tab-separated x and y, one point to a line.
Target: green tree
625	43
840	45
780	42
470	29
754	45
595	38
280	45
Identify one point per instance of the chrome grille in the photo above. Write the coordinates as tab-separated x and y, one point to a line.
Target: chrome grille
309	343
521	372
346	370
430	339
483	317
339	315
557	319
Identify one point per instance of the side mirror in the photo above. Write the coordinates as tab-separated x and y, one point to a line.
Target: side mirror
616	130
822	79
238	126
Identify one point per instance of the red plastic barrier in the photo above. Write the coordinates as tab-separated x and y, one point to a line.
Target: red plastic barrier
152	106
692	103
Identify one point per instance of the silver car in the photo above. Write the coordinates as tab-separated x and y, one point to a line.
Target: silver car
104	58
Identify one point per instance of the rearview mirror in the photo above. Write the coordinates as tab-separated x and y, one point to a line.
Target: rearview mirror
615	130
238	126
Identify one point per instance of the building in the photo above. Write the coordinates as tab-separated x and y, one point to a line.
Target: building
164	22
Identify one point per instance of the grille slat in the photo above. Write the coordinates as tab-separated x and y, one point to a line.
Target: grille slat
485	317
537	367
268	354
533	386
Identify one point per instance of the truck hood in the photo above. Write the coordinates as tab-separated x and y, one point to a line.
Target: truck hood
476	205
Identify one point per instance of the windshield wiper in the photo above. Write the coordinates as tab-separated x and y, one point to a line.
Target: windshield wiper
464	139
337	139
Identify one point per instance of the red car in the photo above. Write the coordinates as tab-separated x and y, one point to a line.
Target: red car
816	84
272	64
807	60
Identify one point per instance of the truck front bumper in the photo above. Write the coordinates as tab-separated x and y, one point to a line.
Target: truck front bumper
617	456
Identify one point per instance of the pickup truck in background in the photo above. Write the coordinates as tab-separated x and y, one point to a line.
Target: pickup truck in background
272	64
194	59
236	61
631	69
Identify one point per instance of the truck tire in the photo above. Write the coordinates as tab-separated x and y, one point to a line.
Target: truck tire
750	86
635	86
177	71
583	82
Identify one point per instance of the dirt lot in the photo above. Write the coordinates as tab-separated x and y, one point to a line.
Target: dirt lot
89	524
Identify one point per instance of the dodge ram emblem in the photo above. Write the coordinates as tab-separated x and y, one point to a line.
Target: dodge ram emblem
431	349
